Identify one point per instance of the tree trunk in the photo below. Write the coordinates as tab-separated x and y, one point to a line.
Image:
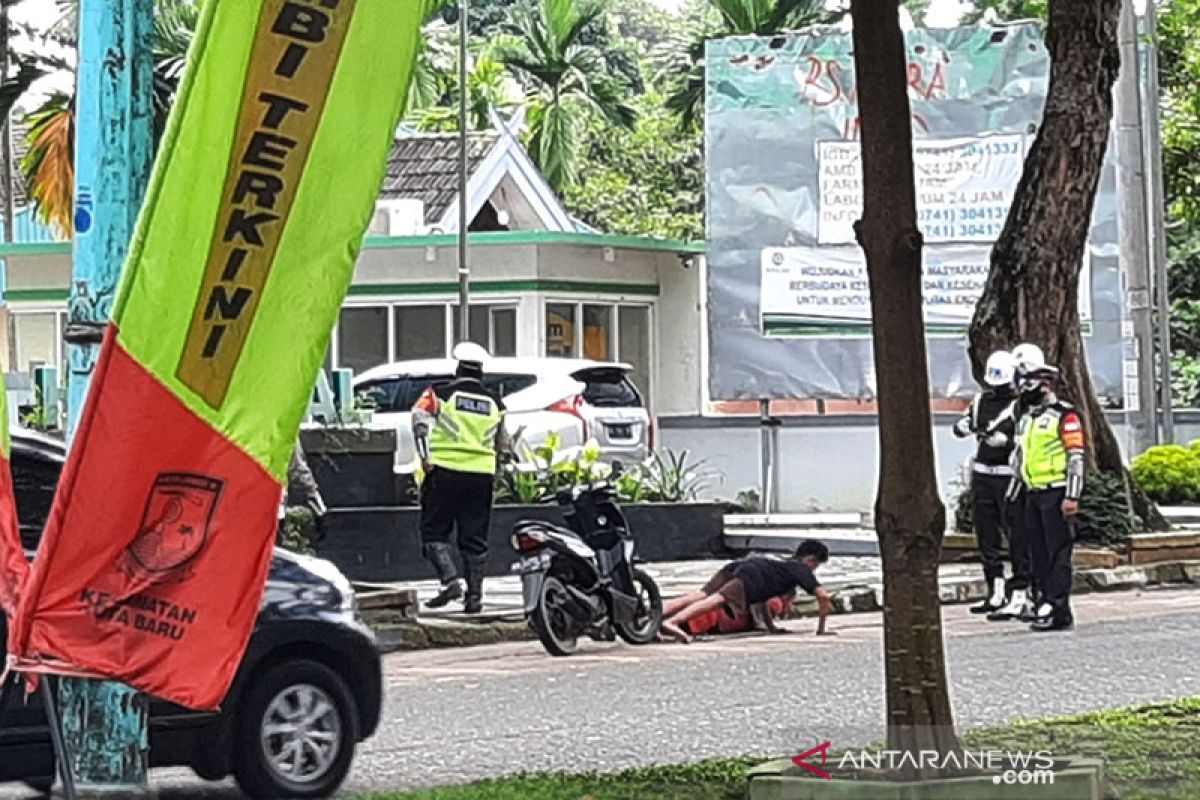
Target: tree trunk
909	516
1032	291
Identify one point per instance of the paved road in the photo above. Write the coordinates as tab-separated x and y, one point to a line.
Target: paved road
459	715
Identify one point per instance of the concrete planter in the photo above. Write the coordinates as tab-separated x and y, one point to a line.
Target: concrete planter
1074	779
384	545
353	466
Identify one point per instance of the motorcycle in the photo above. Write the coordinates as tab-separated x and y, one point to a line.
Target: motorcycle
582	580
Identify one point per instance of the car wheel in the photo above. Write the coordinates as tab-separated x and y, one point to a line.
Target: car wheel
296	732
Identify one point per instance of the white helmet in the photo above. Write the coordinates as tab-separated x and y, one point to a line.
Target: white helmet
1028	357
470	352
1001	369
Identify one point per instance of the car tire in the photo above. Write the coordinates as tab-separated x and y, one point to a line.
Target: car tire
311	710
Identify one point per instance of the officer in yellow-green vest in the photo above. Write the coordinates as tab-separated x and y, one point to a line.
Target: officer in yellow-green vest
1049	463
459	432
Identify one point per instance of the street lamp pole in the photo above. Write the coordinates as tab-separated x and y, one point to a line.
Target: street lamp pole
1152	132
104	723
464	271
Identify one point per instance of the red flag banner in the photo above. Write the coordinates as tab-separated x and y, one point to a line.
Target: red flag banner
152	568
14	569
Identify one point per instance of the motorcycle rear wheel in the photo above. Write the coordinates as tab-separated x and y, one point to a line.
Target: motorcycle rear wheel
643	629
556	628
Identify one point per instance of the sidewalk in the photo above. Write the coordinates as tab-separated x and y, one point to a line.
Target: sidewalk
856	584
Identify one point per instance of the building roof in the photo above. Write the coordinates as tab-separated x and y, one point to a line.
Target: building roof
424	167
20	146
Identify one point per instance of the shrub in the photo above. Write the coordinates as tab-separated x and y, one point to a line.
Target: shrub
665	477
1170	474
295	531
1104	514
1105	517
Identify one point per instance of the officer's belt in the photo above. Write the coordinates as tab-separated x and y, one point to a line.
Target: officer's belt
1000	469
1048	487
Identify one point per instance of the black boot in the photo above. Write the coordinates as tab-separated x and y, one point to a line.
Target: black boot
450	592
473	566
442	559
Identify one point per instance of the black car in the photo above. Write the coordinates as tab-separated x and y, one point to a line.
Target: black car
307	692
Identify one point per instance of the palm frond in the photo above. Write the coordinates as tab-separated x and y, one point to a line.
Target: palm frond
16	86
48	166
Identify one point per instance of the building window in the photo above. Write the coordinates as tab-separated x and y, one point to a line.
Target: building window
560	330
504	332
597	333
610	332
420	332
480	330
38	340
365	340
362	337
633	344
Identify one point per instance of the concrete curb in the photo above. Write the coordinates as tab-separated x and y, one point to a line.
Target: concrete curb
396	633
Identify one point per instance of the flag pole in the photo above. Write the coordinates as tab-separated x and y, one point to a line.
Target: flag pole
113	156
56	738
464	223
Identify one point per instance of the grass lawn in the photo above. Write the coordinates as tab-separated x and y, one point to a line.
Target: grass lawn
1152	753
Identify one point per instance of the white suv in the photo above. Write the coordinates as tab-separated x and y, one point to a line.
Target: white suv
578	399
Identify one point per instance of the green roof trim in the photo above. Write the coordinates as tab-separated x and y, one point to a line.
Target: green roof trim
36	295
499	287
34	248
402	289
446	240
536	238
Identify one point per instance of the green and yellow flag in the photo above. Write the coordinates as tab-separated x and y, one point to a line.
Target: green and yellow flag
154	560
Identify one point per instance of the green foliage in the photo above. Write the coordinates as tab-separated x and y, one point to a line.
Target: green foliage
1006	10
670	477
295	531
1185	380
665	477
1170	474
681	59
718	779
1150	752
1105	516
565	81
749	501
648	181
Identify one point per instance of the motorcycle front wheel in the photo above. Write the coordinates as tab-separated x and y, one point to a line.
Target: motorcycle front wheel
556	628
643	628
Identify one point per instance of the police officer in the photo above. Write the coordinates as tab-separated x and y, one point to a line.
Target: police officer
990	420
1049	463
302	489
1023	589
459	432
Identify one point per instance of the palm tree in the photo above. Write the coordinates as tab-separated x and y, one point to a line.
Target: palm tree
565	81
681	61
48	166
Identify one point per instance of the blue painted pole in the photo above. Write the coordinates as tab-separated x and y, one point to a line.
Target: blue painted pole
104	724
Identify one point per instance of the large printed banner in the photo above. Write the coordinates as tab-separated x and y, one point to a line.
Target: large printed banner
824	291
153	563
964	187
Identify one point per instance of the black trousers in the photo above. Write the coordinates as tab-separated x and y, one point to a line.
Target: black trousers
451	499
1052	538
996	518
